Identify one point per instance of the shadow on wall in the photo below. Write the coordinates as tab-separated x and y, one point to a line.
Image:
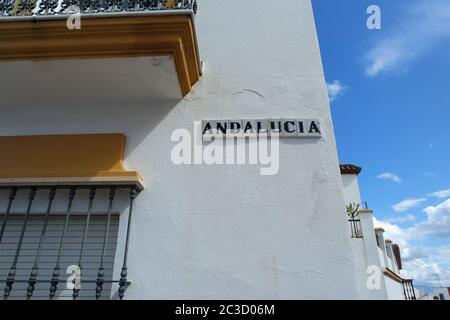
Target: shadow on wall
127	100
134	120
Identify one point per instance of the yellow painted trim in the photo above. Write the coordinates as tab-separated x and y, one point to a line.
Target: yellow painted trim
58	159
380	229
133	179
365	211
391	274
388	241
106	37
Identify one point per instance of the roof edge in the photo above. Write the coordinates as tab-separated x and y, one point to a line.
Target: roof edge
350	169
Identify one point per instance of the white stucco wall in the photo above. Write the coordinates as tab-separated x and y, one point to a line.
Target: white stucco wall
419	293
444	291
370	262
368	267
394	289
361	268
207	232
351	189
368	270
381	257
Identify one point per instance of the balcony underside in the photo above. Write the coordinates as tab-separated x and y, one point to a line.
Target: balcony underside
88	83
154	46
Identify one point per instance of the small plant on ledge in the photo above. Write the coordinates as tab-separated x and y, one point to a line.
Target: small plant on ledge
352	210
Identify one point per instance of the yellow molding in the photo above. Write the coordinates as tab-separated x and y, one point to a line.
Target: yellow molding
380	229
59	159
391	274
132	179
365	211
388	241
106	37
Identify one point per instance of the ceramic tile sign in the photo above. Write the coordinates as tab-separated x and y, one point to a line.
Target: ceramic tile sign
294	128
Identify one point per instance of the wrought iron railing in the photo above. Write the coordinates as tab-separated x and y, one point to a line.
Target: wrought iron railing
69	193
355	227
408	289
64	7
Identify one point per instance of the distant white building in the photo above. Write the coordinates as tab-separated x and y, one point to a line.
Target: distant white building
441	294
437	294
377	260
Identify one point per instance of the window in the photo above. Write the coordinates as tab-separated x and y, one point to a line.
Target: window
70	254
62	195
378	240
62	226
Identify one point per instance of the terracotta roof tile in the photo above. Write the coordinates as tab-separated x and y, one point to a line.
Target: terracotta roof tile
350	169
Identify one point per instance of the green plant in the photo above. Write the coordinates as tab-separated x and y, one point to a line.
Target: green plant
352	210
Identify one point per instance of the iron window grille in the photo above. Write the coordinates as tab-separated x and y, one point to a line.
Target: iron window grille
67	194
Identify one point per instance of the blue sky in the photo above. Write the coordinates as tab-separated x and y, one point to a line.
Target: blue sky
390	92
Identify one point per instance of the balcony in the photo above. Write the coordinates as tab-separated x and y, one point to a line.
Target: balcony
355	228
130	50
408	289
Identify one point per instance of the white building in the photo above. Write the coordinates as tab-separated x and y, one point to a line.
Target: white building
377	260
441	294
88	130
437	294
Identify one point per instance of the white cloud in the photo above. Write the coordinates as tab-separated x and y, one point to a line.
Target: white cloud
437	224
419	263
390	176
402	219
397	234
412	253
335	89
424	25
422	263
424	269
441	194
407	204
